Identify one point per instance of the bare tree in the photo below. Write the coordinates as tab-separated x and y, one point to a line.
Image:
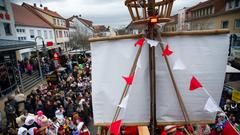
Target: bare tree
79	40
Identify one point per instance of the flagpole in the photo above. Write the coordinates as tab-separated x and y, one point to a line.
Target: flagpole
180	100
126	88
152	65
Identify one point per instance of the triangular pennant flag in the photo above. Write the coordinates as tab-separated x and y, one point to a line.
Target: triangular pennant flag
229	130
194	84
124	102
152	42
115	127
140	42
129	79
210	106
167	51
178	65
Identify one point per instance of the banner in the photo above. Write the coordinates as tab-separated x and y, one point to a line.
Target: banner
205	56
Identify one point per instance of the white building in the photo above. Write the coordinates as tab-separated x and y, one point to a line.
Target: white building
7	25
56	21
28	27
83	25
71	28
182	24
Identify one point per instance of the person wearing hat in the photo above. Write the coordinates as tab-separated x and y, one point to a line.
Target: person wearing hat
75	131
31	125
85	131
21	119
180	130
169	130
41	119
22	131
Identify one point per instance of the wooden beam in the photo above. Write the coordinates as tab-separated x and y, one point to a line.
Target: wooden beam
182	122
143	130
164	34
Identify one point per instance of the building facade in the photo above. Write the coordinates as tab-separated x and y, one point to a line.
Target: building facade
182	25
84	26
218	14
215	14
8	47
28	27
172	25
56	21
7	24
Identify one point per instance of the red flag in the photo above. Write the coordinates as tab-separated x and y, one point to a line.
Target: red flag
166	51
129	79
140	42
115	127
229	130
194	84
164	133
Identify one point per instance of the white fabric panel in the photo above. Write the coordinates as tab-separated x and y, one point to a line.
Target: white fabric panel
110	61
206	58
203	56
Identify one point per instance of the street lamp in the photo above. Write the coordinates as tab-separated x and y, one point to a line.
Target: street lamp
39	63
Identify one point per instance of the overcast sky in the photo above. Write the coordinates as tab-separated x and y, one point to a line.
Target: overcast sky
107	12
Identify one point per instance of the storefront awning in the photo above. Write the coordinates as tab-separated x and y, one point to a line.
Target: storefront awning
7	45
232	70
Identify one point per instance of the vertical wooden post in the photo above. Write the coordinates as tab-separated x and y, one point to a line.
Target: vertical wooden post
152	65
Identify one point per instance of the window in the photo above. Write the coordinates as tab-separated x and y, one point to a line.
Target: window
237	3
23	30
60	34
2	6
224	24
210	25
18	30
50	34
45	34
22	38
31	33
229	5
7	28
213	10
54	21
66	33
58	23
237	23
39	33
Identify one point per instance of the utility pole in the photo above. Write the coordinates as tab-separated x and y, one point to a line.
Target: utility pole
152	65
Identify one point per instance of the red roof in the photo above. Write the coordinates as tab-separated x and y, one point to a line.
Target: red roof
100	28
86	22
46	11
25	17
89	23
203	5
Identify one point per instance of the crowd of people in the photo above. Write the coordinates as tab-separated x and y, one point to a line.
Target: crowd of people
60	107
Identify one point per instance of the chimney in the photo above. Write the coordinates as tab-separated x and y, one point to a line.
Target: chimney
45	8
35	5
